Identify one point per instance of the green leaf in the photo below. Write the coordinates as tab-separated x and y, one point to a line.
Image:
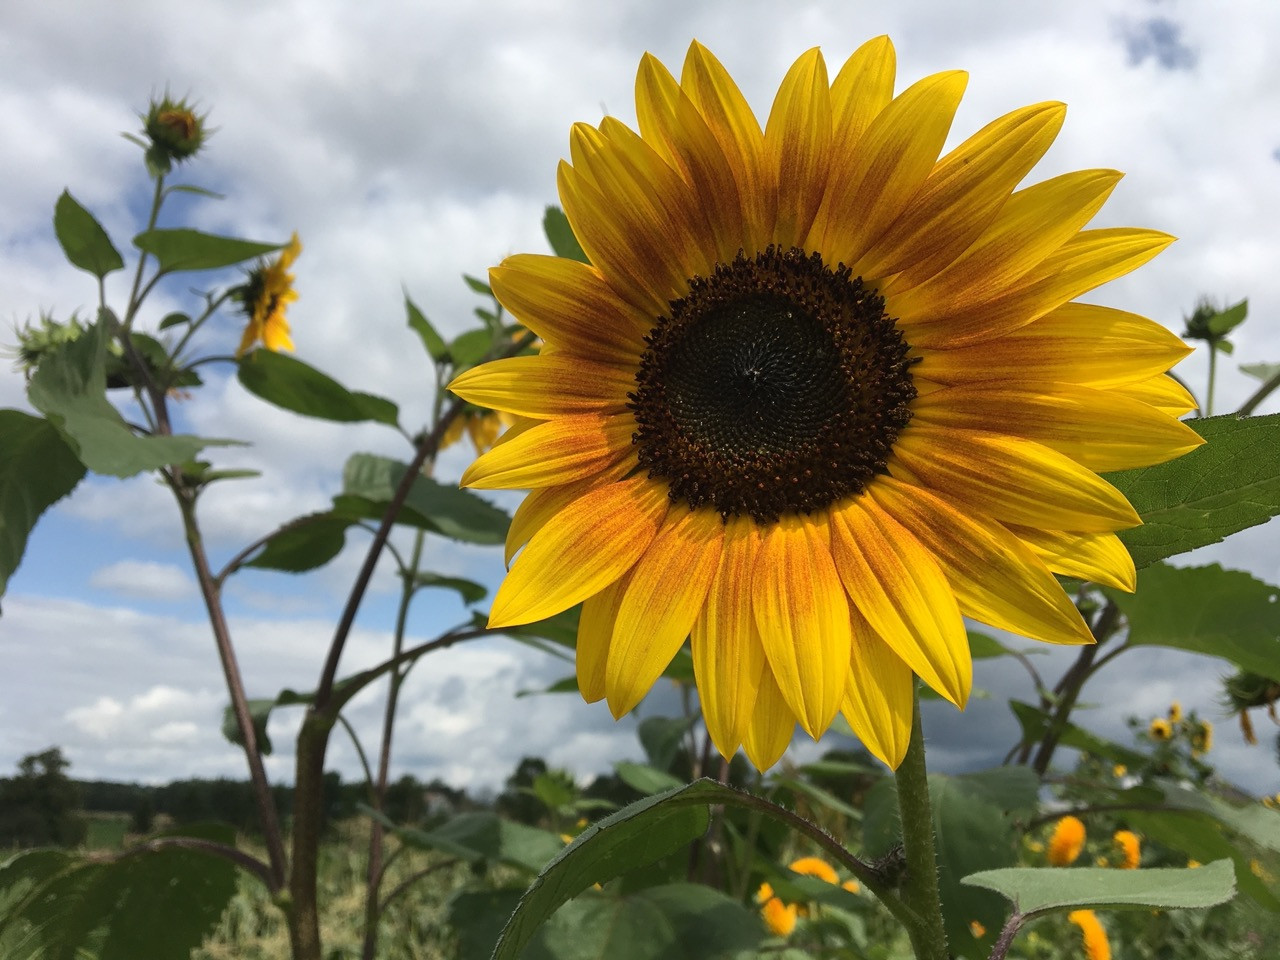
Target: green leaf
420	325
560	235
822	797
37	469
184	249
198	191
561	630
470	348
1230	483
259	713
83	240
1261	371
663	738
293	385
478	285
477	917
469	590
1035	891
1035	724
480	835
984	647
1207	610
1224	321
69	387
644	778
174	320
447	510
303	544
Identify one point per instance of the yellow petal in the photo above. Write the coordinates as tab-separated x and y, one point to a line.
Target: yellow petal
1096	557
570	306
583	549
1164	393
803	618
667	589
1012	479
558	451
862	88
595	629
963	194
546	386
995	576
904	596
879	696
543	504
1032	224
797	143
772	725
1076	343
891	162
728	657
1096	428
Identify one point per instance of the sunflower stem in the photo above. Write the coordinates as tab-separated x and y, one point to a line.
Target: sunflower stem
920	886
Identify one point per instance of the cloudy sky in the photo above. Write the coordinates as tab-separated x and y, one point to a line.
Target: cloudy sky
409	143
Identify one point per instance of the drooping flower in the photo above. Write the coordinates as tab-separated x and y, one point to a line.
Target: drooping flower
1202	739
264	297
1067	841
482	426
1175	712
818	395
1094	935
1160	729
1130	849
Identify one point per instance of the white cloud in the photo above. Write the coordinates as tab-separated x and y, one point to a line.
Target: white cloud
144	579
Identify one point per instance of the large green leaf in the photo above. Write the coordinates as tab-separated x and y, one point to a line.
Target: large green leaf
468	590
420	325
1230	483
458	514
70	389
1208	610
37	469
560	235
293	385
1041	890
304	544
184	249
481	835
83	240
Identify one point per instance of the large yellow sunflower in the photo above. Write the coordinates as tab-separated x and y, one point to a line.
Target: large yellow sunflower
265	296
819	395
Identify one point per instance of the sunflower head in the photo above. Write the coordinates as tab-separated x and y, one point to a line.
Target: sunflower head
264	296
1130	848
1160	729
819	394
1066	842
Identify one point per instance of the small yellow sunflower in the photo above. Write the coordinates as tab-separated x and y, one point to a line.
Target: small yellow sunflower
265	295
484	427
1130	847
1066	842
1202	739
819	395
1093	934
1160	729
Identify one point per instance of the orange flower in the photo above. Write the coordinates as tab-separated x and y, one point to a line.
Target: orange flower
1096	945
1130	846
1067	842
779	917
815	867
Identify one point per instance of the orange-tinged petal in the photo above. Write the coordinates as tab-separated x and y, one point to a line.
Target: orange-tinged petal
546	386
996	577
772	725
668	587
803	618
1096	428
595	629
1076	343
584	548
1012	479
862	88
569	305
797	143
963	194
879	695
904	596
1096	557
558	451
728	656
891	162
1164	393
543	504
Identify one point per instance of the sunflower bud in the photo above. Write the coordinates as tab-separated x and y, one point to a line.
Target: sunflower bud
174	132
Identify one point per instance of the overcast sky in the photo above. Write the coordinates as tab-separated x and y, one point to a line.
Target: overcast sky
408	143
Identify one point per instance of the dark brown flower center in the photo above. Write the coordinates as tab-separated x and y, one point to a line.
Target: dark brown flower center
777	385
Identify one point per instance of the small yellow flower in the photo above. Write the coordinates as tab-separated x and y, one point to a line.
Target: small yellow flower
1130	846
1192	864
264	298
1119	771
779	917
1035	846
1202	739
1175	712
1096	946
852	886
484	427
1160	729
977	929
815	867
764	893
1067	842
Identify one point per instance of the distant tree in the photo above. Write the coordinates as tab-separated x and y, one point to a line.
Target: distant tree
143	814
41	805
517	801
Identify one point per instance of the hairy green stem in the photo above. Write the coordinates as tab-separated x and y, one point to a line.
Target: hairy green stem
920	885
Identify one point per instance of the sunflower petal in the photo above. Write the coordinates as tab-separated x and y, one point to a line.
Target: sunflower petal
595	628
1012	479
803	618
996	577
1164	393
797	144
728	657
570	306
584	548
667	590
558	451
546	386
772	725
1096	428
1096	557
544	503
903	595
862	88
879	696
891	161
